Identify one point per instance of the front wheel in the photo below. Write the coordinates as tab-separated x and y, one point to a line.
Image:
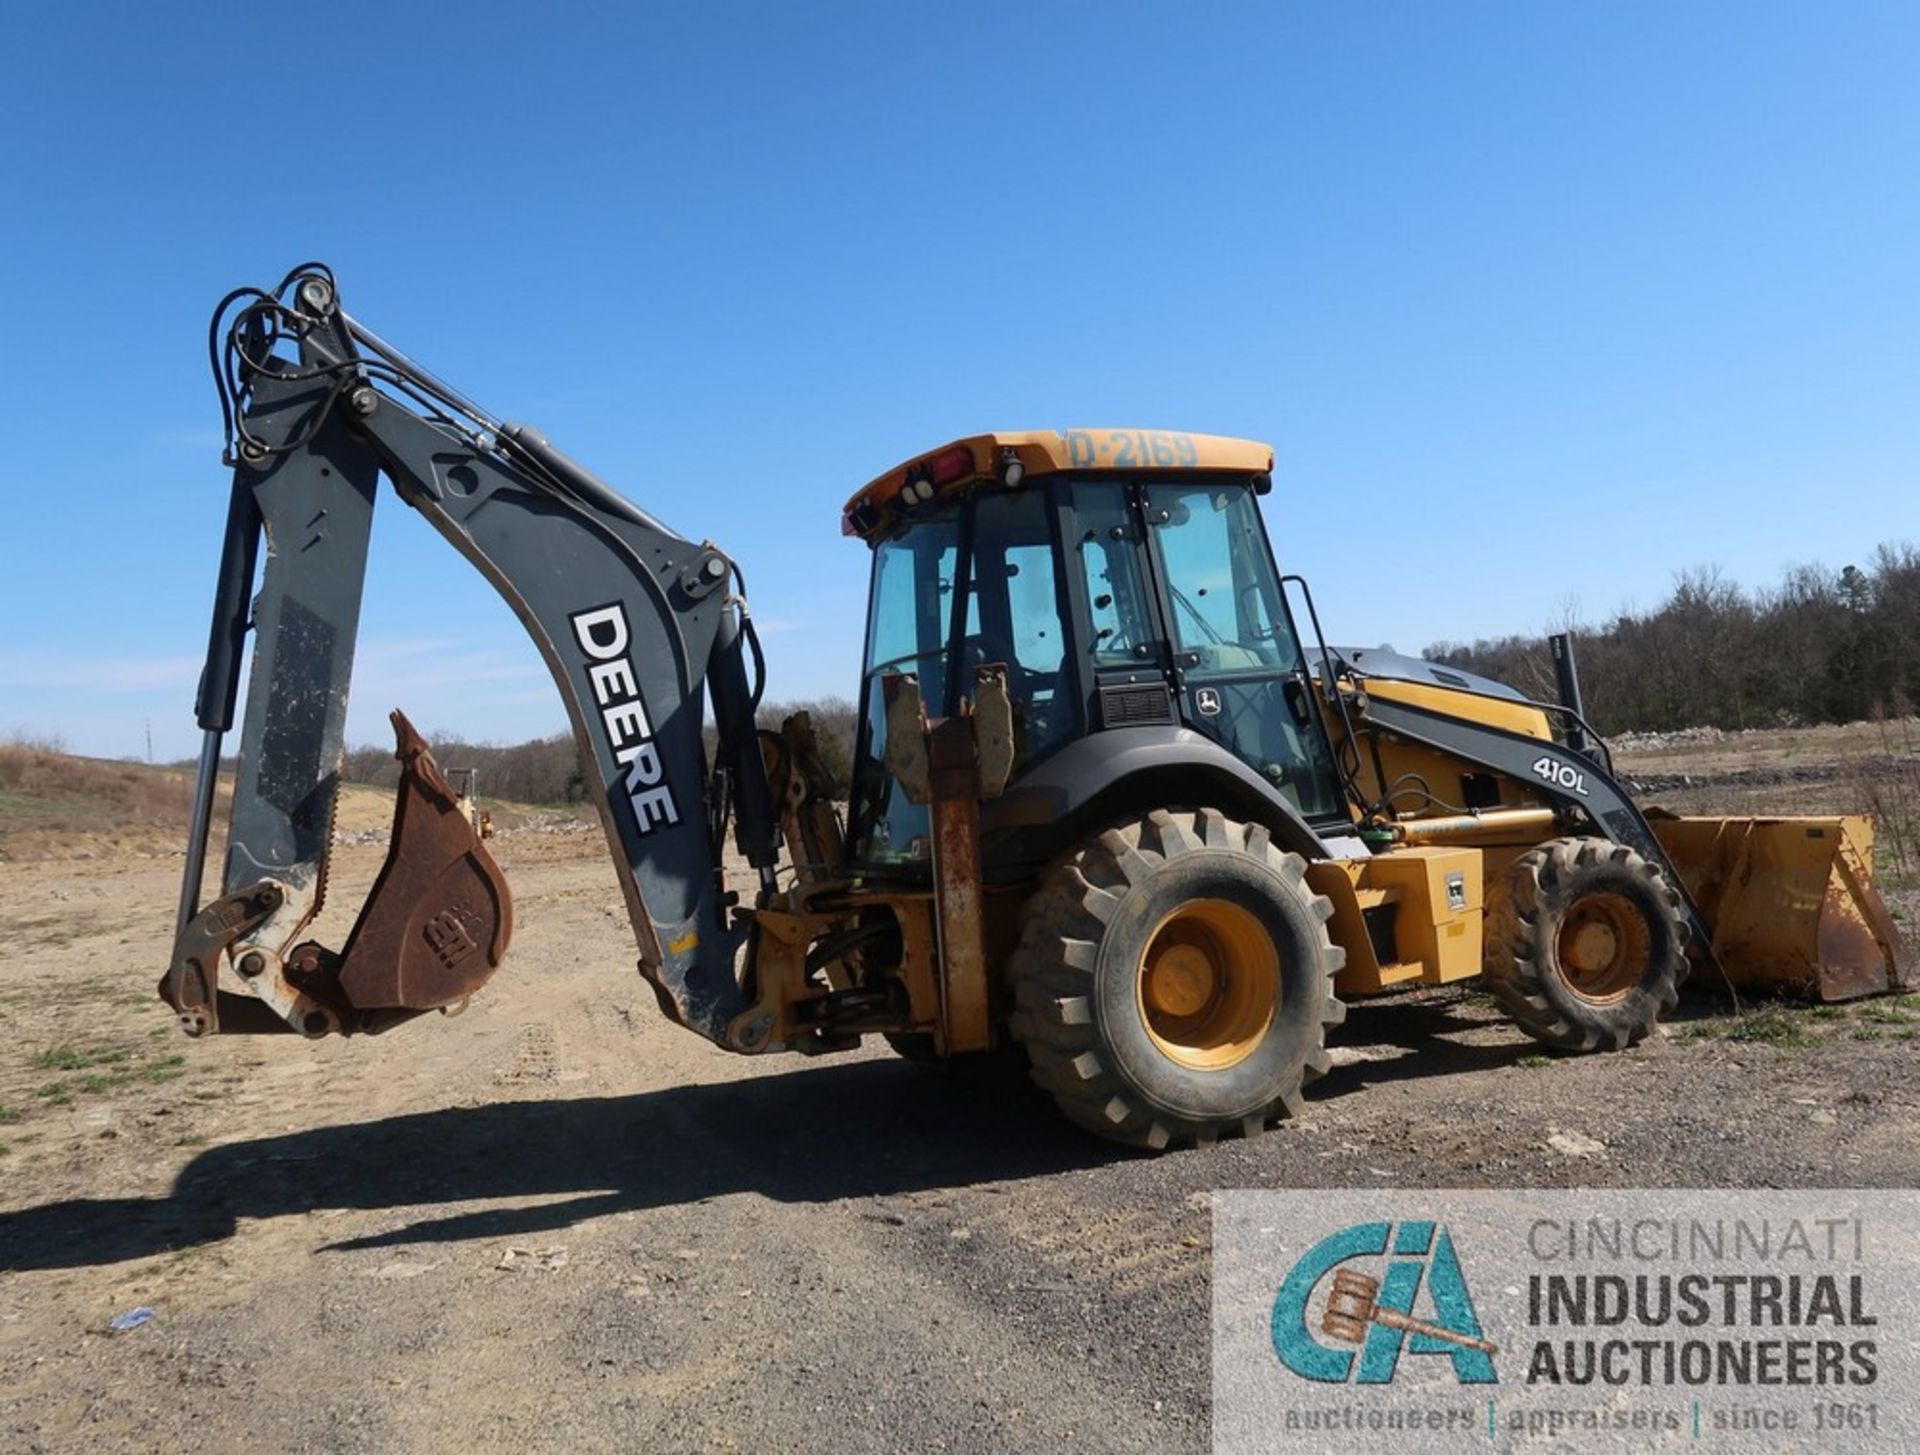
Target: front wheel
1174	980
1586	945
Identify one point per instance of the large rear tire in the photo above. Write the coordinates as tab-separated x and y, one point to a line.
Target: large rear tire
917	1047
1174	981
1004	1062
1586	945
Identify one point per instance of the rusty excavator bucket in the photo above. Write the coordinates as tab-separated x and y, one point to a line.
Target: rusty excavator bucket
1790	902
435	925
433	930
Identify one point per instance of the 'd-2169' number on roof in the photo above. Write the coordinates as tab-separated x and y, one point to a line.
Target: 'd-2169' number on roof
1130	449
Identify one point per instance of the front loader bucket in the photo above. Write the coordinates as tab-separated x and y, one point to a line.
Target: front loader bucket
1791	902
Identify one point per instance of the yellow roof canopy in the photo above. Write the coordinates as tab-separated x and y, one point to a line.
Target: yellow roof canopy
966	463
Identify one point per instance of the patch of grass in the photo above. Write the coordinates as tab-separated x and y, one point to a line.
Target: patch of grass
169	1068
1905	1002
192	1139
5	1150
1828	1013
1773	1026
61	1093
71	1058
1768	1027
1886	1015
1534	1060
8	1114
1868	1033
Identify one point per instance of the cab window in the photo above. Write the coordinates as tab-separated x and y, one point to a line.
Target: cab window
1221	588
1106	553
1003	559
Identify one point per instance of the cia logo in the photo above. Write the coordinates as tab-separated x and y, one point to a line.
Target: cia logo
1207	701
1377	1313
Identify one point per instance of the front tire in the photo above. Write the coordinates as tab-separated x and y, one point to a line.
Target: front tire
1586	945
1174	981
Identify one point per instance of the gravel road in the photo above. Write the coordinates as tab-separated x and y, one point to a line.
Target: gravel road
556	1223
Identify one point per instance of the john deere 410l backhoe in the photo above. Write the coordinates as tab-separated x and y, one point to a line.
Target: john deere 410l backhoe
1106	801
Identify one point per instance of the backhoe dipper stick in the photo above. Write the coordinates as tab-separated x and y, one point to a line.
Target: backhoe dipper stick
634	622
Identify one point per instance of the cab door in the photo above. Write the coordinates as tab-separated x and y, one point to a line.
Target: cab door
1126	664
1238	671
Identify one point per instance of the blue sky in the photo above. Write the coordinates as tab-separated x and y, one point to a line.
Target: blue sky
1538	303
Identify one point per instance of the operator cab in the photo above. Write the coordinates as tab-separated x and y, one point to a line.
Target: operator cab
1125	579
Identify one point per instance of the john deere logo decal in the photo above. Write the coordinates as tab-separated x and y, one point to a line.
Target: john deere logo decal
1207	701
1367	1322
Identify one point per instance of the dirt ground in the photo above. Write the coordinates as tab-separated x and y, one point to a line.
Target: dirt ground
556	1223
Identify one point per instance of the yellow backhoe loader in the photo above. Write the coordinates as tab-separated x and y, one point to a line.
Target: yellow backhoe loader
1108	801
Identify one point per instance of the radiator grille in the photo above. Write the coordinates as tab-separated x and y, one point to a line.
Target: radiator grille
1135	704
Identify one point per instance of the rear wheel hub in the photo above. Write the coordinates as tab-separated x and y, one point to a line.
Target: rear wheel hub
1209	984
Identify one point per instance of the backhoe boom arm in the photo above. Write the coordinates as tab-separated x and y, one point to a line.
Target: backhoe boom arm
634	622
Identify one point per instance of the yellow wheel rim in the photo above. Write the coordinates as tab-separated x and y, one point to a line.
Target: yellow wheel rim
1209	984
1604	945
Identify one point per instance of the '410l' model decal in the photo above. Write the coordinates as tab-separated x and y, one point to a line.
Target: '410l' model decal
1561	775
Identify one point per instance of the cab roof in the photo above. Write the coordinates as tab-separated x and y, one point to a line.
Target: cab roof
968	463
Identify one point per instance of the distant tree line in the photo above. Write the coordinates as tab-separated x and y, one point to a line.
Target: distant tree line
549	770
1821	646
543	770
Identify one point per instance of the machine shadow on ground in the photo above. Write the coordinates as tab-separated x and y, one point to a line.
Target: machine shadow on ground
1423	1028
865	1129
1421	1031
857	1130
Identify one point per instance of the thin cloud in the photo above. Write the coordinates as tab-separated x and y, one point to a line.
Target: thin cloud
98	674
197	440
408	667
405	649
